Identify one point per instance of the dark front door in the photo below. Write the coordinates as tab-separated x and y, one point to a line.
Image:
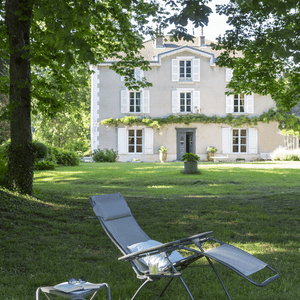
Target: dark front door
185	141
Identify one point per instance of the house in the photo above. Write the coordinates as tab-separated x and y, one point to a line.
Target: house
188	98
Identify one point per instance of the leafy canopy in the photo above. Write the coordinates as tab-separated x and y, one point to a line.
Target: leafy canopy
263	48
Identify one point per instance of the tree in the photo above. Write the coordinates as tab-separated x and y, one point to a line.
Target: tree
263	48
55	35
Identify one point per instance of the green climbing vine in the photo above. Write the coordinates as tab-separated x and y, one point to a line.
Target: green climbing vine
289	123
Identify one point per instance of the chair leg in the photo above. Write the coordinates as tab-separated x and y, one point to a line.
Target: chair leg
140	288
186	287
216	271
164	289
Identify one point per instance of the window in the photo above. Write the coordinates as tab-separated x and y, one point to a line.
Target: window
135	102
239	103
185	101
137	73
135	140
185	70
239	140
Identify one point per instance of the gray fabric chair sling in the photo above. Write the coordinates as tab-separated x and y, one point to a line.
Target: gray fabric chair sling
119	224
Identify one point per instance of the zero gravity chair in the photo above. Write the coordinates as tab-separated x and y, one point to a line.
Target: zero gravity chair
152	260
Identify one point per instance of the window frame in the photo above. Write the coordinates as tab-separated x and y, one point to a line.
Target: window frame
135	99
185	105
135	144
185	78
239	143
239	105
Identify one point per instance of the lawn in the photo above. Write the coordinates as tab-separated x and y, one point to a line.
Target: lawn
48	238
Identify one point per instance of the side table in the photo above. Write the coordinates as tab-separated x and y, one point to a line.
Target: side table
80	295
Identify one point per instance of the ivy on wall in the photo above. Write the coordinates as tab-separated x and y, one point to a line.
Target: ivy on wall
288	123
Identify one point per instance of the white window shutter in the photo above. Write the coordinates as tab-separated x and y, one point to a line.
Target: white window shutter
196	69
229	73
124	101
175	102
175	69
226	140
148	141
122	141
250	103
146	101
122	78
229	104
196	101
252	141
139	74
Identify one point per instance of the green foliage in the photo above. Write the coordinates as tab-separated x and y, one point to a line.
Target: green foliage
3	170
44	165
80	147
66	157
211	149
190	157
163	149
285	120
262	48
41	150
105	155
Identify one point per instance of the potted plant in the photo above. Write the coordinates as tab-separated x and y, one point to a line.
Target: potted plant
163	154
210	152
190	162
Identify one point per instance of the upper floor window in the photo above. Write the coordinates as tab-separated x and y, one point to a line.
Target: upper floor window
137	73
135	102
185	101
186	69
239	103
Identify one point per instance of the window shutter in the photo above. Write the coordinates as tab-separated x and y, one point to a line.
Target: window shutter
253	141
175	102
229	104
175	69
146	101
122	78
196	101
250	103
139	74
226	140
122	141
229	73
148	141
196	69
124	101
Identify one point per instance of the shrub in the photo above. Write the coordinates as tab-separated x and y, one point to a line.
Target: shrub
286	155
163	149
211	149
66	157
80	147
40	149
3	170
105	155
44	165
190	157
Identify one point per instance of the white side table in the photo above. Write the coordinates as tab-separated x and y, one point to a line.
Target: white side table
77	295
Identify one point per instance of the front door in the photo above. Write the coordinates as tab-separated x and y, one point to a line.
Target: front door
185	141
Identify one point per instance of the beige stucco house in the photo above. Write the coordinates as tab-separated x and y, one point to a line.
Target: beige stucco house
185	81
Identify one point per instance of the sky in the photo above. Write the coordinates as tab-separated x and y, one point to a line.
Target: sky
217	24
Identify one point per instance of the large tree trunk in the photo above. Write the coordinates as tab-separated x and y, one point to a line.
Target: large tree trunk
21	154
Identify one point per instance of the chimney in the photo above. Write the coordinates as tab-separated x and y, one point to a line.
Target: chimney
159	39
202	38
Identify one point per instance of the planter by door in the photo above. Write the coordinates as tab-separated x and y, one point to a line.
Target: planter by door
162	157
210	156
190	167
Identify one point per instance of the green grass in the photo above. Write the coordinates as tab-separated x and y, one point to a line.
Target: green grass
48	238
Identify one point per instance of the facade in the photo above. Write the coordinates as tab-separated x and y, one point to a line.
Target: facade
186	81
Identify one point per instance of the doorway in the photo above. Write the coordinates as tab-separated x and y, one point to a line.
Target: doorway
186	141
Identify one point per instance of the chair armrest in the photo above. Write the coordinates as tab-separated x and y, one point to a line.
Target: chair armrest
167	247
